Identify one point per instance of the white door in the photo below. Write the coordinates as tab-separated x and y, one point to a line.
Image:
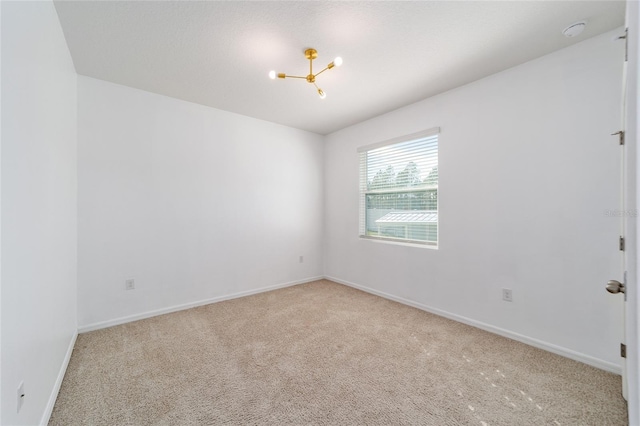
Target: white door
619	285
628	212
625	213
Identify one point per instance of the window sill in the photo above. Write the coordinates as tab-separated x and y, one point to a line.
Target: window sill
432	246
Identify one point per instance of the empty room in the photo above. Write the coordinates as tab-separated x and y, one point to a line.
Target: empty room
319	212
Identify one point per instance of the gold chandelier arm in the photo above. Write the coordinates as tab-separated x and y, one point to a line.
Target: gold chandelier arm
331	65
294	76
322	71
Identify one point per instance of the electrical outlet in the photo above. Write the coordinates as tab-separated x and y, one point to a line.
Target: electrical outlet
301	259
130	285
507	296
20	396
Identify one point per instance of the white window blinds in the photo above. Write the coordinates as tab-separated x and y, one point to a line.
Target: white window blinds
399	189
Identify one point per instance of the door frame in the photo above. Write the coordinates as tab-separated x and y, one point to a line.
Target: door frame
632	195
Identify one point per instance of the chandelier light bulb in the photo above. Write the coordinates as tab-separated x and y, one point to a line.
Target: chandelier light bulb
272	75
321	94
337	61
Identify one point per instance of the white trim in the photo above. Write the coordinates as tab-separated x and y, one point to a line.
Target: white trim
632	320
400	242
405	138
175	308
46	416
558	350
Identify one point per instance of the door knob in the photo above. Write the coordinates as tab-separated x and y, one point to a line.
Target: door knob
614	287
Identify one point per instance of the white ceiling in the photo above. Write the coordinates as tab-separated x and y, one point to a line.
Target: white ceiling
395	53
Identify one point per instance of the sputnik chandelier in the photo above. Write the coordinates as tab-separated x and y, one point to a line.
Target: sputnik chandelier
310	54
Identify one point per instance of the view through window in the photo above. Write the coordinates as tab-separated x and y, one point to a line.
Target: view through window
399	189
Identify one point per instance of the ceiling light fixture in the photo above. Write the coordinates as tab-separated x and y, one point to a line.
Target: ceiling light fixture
310	54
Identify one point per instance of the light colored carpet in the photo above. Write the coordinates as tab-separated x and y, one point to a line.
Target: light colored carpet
324	354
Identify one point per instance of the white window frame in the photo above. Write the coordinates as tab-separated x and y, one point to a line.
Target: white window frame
364	190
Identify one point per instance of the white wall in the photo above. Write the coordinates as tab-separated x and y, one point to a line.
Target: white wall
192	202
527	169
38	244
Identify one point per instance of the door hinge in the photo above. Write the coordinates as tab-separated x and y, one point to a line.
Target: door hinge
623	350
626	42
620	134
621	243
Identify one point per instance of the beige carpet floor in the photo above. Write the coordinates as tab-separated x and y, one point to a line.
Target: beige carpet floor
324	354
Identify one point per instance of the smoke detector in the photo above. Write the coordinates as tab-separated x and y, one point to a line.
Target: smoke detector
574	29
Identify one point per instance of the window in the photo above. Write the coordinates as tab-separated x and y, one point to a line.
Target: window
399	189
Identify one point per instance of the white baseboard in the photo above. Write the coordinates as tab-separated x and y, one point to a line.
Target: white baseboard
175	308
567	353
56	387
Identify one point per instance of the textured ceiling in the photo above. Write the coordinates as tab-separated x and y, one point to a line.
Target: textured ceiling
395	53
